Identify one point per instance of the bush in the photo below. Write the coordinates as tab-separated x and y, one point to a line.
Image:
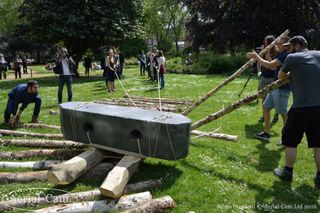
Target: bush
212	63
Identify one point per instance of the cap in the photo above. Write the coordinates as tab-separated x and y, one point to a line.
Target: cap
297	40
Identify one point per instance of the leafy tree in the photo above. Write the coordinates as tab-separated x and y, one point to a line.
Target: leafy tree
165	20
231	24
83	24
9	16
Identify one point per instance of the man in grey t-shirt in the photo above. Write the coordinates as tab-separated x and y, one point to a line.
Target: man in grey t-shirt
303	68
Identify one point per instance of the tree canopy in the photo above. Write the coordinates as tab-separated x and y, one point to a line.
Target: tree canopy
228	24
83	24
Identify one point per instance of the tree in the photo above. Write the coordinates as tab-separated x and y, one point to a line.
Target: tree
165	21
9	16
226	25
83	24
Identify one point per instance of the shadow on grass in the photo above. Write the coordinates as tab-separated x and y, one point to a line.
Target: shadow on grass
283	197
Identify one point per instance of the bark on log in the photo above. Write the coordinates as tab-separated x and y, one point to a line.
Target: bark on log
7	205
24	134
22	177
97	173
119	176
35	165
39	125
220	136
57	153
41	143
239	103
233	76
69	171
163	100
123	203
161	204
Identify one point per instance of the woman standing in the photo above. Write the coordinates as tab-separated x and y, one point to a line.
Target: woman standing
17	66
161	64
110	71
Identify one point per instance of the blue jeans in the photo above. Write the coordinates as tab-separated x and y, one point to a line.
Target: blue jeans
12	107
161	76
62	80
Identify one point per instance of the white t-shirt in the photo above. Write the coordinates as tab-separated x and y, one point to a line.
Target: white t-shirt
161	61
65	67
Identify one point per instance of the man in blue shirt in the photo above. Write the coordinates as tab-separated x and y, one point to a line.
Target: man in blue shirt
25	94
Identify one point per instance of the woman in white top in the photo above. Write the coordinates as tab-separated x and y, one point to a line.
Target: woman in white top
162	69
3	67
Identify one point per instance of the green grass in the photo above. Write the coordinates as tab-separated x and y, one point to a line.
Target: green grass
217	176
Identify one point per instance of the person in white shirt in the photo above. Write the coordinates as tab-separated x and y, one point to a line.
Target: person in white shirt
3	67
161	65
65	67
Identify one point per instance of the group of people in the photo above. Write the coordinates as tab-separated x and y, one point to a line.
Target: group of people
154	63
302	66
18	65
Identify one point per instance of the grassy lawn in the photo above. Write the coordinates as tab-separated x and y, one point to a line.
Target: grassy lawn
217	176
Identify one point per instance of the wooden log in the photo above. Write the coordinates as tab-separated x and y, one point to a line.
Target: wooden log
41	143
24	134
233	76
39	125
22	177
6	205
123	203
143	103
35	165
161	204
239	103
97	173
57	153
163	100
220	136
69	171
119	176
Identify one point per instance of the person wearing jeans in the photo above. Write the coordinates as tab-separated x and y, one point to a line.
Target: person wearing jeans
25	94
65	68
161	64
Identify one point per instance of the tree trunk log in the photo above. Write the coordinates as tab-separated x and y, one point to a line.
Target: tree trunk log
69	171
35	165
97	173
233	76
161	204
220	136
41	143
24	134
239	103
139	102
119	176
57	153
123	203
39	125
7	205
22	177
163	100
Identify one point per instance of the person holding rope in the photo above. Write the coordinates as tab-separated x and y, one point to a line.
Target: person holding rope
278	98
110	71
303	68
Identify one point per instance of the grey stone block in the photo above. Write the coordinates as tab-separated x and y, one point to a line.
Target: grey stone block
126	130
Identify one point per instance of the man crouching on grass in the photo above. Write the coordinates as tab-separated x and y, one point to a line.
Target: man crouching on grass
303	68
25	94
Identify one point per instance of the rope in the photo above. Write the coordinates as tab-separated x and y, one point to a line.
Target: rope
158	76
174	154
89	136
125	90
138	140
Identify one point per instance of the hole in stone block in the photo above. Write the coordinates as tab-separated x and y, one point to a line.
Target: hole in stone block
135	134
88	127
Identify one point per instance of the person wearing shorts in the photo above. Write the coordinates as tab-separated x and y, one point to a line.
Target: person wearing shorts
303	68
277	99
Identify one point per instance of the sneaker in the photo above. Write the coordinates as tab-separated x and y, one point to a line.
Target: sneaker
283	174
317	181
261	120
275	119
263	136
